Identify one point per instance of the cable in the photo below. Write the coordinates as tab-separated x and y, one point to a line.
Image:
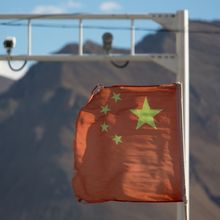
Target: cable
73	26
40	25
16	69
121	66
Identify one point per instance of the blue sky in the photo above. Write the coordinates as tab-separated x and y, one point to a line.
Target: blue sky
198	9
47	40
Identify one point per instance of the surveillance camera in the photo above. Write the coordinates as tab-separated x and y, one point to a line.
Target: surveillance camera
107	39
9	43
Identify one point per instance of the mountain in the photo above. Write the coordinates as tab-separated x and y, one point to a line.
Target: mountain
37	116
5	83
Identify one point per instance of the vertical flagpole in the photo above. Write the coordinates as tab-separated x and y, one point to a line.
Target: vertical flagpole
182	49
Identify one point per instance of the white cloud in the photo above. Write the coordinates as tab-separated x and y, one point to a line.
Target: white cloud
8	73
73	4
109	6
48	9
56	9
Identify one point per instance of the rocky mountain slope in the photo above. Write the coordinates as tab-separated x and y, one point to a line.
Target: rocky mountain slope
5	83
37	119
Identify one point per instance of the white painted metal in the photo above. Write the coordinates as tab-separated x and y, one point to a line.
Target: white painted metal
80	37
83	16
166	62
182	47
29	45
132	37
93	57
169	22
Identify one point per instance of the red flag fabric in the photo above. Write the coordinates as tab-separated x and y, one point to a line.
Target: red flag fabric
128	145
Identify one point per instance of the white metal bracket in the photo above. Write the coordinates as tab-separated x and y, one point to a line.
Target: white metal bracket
169	21
166	62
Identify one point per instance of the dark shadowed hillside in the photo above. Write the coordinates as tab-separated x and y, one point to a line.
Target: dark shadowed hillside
5	83
37	119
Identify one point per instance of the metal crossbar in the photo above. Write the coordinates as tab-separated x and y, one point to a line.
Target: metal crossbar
85	16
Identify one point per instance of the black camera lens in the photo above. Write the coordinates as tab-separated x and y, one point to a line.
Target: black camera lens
8	43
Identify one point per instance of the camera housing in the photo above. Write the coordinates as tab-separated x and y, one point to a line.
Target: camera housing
9	43
107	39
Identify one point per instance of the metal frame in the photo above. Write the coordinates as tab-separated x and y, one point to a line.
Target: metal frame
167	20
178	62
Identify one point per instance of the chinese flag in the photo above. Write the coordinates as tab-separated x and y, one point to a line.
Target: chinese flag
128	145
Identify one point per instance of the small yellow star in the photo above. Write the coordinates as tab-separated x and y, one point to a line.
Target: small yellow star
117	139
104	127
105	109
116	97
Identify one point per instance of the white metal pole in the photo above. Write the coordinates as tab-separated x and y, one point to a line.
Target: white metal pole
132	37
80	37
182	47
29	46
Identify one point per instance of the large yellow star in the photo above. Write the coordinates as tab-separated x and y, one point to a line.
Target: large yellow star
146	115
